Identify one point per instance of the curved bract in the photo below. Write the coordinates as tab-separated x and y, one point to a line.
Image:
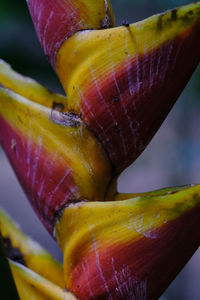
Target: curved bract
129	249
49	153
56	21
67	152
31	285
37	275
28	87
22	249
160	192
125	80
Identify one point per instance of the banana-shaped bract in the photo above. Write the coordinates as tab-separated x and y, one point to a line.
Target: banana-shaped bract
31	285
125	80
56	158
68	152
130	249
37	275
24	250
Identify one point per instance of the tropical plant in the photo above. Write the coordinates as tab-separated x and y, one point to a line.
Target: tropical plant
68	152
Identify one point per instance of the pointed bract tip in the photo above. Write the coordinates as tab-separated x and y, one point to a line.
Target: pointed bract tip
129	249
125	80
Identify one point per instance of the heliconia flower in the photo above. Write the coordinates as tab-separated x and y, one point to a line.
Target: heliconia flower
24	250
31	285
37	275
124	80
56	21
56	158
129	249
68	151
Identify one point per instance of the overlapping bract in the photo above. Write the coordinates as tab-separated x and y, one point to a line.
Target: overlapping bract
56	21
37	275
129	249
67	152
125	80
48	149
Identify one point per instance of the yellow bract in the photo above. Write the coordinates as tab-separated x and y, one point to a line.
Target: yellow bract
30	285
35	257
110	224
28	88
90	55
76	147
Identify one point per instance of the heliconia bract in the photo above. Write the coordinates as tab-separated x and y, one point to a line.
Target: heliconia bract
68	152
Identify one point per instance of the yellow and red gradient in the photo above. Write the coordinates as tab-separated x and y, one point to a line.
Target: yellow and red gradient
43	177
57	20
28	252
56	159
129	249
125	80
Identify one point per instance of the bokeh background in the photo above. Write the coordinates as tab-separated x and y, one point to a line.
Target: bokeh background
172	158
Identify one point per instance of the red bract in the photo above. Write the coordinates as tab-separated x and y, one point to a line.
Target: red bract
67	152
56	21
132	100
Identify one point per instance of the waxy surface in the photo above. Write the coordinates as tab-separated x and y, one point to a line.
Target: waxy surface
125	80
129	249
49	153
121	84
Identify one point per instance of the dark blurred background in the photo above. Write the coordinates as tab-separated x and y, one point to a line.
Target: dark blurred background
172	158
